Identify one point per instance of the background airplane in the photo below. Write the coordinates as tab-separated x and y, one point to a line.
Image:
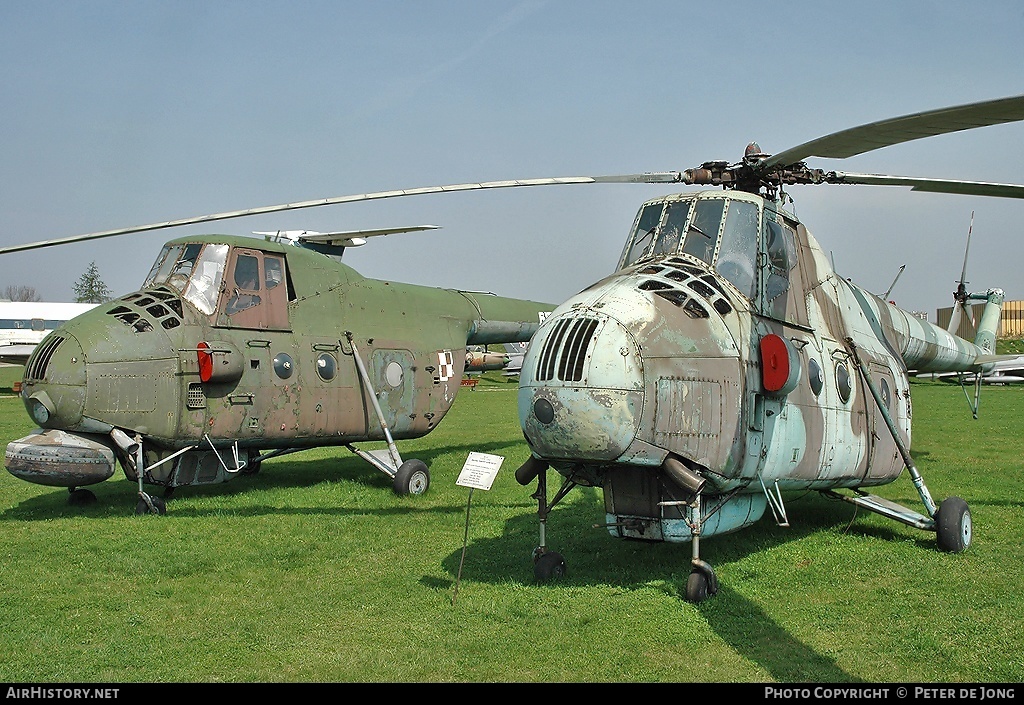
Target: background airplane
515	353
24	323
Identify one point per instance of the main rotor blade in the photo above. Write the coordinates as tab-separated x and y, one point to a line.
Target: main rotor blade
968	188
313	236
646	178
884	133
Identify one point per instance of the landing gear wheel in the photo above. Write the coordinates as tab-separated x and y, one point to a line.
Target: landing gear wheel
159	506
953	525
549	566
251	468
79	498
412	478
702	583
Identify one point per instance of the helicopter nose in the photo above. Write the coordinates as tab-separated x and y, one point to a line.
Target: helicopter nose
54	385
54	392
581	390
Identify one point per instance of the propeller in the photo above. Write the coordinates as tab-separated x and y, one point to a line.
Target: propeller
960	296
756	173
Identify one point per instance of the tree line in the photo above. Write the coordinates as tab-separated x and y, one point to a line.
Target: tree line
89	289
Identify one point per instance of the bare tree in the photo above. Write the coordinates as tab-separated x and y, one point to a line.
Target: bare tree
20	292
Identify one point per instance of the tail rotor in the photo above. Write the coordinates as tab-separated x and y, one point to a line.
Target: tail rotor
960	296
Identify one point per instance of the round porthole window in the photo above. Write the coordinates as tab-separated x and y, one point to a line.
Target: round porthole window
815	376
283	365
843	382
394	374
884	391
326	367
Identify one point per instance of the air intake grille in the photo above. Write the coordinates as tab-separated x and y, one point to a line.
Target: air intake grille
41	357
196	396
565	351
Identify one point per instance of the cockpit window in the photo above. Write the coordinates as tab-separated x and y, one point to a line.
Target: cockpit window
165	261
193	270
702	235
274	267
182	269
643	233
204	284
780	246
737	255
672	231
247	285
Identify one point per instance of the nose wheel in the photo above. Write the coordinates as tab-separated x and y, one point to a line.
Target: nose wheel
150	505
702	583
953	525
79	497
548	566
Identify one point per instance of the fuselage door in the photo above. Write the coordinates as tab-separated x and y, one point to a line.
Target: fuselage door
255	292
886	462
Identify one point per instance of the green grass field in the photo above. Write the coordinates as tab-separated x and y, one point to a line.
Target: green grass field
314	571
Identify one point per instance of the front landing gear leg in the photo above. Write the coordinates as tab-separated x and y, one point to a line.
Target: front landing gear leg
132	449
547	565
702	583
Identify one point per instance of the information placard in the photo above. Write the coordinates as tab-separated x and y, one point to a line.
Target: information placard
479	471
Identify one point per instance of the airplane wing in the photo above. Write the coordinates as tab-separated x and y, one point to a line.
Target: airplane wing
16	354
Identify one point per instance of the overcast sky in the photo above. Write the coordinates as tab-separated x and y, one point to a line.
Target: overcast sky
114	114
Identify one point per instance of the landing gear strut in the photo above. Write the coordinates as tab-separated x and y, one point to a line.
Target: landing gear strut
547	565
702	583
951	520
409	477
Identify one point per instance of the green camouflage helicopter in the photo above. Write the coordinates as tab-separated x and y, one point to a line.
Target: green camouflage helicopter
239	349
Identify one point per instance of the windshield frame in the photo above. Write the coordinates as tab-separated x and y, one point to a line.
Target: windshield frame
193	269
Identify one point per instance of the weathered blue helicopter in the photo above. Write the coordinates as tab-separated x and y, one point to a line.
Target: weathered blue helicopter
724	365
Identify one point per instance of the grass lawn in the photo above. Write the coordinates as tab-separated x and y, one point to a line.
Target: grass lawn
314	571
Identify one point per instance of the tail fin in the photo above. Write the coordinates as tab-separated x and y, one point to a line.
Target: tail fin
989	323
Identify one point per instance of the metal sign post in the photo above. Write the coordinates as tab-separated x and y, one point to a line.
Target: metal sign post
478	472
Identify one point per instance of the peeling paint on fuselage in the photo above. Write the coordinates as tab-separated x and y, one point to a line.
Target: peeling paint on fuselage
674	368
